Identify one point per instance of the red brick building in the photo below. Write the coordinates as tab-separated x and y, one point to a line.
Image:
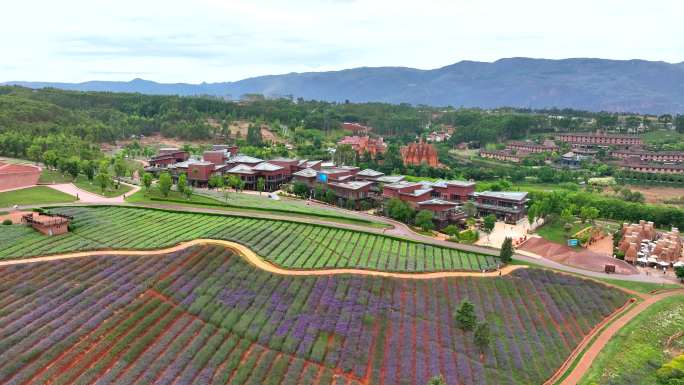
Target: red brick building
531	147
169	156
274	175
16	176
653	168
451	190
365	144
199	173
418	153
508	206
600	139
217	157
502	155
48	224
650	156
352	190
444	212
356	128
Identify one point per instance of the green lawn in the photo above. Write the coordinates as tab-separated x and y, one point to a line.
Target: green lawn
34	195
634	354
53	177
251	203
554	231
84	184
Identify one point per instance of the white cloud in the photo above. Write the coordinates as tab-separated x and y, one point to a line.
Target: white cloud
220	40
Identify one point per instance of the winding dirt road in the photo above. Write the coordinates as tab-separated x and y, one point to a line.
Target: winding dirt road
260	263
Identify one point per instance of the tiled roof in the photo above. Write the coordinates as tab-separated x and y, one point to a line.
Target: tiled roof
390	179
514	195
402	184
241	169
306	173
265	166
354	185
437	201
370	172
244	159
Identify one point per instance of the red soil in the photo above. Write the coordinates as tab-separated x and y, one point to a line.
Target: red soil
583	259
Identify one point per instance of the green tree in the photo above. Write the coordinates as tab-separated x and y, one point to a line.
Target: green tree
437	380
465	316
165	183
679	271
489	223
451	230
187	191
300	189
182	183
424	220
588	213
399	210
73	166
481	336
50	158
235	182
506	253
261	185
470	209
120	168
330	197
679	123
88	167
254	137
147	181
103	179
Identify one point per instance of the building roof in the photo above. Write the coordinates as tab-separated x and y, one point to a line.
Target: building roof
283	159
306	173
352	185
184	164
201	163
265	166
370	172
244	159
437	201
241	169
402	184
512	195
445	183
418	192
390	179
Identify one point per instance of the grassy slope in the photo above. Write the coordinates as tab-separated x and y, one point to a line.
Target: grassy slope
554	231
633	355
34	195
250	203
53	177
83	183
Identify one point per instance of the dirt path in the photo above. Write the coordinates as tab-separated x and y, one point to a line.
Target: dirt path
260	263
602	340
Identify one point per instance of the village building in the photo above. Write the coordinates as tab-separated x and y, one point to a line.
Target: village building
572	160
198	173
369	174
444	212
274	176
417	153
438	137
365	144
652	168
599	139
168	156
48	224
531	147
505	205
352	190
389	179
501	155
650	156
17	176
356	128
451	190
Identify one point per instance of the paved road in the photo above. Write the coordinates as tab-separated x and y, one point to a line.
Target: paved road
88	197
399	229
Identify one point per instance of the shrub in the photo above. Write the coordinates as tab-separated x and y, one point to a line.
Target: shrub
7	222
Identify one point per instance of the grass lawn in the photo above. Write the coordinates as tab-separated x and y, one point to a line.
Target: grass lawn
84	184
634	354
250	203
53	177
554	231
34	195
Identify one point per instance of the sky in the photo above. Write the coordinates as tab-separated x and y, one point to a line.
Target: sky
197	41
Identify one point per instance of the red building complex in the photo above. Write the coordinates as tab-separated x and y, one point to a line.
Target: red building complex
274	176
502	155
365	144
531	147
418	153
17	176
653	168
600	139
650	156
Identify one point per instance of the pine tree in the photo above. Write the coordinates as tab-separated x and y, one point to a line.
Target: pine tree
506	253
465	316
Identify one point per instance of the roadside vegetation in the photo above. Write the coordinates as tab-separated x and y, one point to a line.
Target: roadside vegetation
33	196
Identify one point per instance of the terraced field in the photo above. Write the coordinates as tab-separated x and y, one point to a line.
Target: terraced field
205	316
286	244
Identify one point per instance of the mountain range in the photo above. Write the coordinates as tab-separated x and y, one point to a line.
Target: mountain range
588	84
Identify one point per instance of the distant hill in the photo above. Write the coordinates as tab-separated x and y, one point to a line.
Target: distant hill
586	84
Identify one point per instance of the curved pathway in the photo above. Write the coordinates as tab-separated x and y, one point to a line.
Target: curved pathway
260	263
602	340
89	197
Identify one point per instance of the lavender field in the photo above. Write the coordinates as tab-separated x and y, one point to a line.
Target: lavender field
204	316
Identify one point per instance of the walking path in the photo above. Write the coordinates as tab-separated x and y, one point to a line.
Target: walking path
260	263
88	197
602	340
